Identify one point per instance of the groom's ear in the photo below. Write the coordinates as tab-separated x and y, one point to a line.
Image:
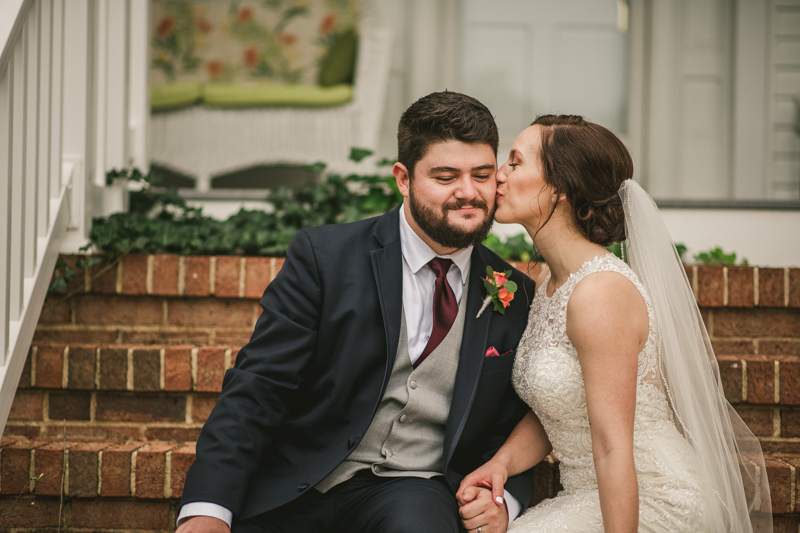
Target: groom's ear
402	177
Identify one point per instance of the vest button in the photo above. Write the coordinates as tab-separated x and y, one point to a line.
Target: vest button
303	486
387	452
413	384
403	419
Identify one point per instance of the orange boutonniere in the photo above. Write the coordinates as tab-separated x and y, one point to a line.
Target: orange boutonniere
500	290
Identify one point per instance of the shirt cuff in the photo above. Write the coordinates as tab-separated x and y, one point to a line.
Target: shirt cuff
513	506
205	509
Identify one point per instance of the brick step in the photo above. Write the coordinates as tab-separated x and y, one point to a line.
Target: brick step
167	392
755	379
136	485
246	277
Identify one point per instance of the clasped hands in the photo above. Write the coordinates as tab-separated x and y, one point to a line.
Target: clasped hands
480	499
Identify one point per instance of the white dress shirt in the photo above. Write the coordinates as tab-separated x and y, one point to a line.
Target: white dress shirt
418	289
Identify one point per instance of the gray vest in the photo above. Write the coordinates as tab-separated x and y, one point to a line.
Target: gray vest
406	435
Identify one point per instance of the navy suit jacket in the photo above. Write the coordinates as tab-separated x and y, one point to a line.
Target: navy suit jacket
305	388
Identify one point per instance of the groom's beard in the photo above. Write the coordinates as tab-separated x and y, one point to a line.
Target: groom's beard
436	226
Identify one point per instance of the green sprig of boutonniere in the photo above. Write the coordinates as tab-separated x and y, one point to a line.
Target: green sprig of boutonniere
500	291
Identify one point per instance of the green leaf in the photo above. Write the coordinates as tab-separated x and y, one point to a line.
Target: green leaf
510	286
358	154
490	289
506	273
489	271
59	285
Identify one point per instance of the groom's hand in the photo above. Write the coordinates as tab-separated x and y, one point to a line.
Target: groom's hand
481	510
203	524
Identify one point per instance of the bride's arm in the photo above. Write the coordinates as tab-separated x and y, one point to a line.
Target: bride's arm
525	447
607	323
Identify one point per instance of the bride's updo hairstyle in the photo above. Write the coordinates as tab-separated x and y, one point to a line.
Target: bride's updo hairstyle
587	163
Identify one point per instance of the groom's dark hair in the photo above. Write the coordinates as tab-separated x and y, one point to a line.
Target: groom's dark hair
441	117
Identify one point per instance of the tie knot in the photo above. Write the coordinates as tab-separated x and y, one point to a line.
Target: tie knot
440	266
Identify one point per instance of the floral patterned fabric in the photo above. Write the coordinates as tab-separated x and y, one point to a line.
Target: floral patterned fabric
250	43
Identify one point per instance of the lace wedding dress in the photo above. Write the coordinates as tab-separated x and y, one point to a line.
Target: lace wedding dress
547	375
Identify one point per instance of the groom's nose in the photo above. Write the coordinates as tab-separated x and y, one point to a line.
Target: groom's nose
466	189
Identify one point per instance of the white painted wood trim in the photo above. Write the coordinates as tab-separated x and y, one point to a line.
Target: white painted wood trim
22	330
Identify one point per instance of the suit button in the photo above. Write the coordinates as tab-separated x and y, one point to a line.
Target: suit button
303	486
403	419
413	384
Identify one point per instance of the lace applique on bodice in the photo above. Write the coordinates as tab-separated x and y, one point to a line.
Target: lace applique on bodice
547	376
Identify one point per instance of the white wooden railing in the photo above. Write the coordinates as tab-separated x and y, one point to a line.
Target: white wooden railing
73	105
34	181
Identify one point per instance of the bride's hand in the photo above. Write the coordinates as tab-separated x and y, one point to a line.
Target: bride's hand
491	475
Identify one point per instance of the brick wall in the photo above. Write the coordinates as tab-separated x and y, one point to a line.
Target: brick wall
130	367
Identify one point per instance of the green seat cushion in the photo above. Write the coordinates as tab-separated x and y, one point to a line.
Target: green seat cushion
340	62
175	95
223	95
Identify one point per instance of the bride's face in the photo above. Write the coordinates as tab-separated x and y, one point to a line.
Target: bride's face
522	194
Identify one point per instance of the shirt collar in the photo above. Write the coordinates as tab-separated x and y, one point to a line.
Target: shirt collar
417	253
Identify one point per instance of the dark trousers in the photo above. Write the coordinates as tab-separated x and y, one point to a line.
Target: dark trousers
365	504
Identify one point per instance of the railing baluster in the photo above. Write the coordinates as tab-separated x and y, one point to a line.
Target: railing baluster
56	80
45	66
16	289
6	127
31	142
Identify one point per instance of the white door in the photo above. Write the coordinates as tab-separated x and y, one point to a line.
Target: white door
523	58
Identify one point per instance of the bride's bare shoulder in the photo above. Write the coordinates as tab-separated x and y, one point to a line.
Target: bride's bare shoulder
606	301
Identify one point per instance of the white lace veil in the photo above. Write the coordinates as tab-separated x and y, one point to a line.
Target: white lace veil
730	461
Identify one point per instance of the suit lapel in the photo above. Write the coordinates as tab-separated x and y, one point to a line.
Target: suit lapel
473	347
387	268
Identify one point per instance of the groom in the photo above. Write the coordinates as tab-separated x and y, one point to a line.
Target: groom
370	387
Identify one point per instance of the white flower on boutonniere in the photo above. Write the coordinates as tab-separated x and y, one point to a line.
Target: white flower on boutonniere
500	290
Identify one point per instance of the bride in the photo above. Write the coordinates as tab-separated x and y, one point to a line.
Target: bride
615	364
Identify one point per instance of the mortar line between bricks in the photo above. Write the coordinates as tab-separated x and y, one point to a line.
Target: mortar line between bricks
46	406
725	286
272	265
181	275
34	358
118	281
212	275
786	289
65	368
744	380
164	313
65	466
162	371
129	375
793	486
194	368
189	409
242	274
776	421
149	276
756	296
97	368
134	455
695	288
32	472
777	382
227	359
168	474
100	472
93	407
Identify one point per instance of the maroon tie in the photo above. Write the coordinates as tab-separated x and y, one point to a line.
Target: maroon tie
445	307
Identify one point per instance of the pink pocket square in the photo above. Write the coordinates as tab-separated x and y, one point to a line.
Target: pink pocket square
492	352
